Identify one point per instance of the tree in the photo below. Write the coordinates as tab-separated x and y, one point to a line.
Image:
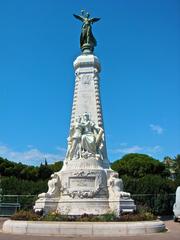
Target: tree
22	171
55	167
139	165
142	174
44	172
18	178
177	169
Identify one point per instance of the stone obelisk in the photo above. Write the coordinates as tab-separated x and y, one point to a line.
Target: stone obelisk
86	183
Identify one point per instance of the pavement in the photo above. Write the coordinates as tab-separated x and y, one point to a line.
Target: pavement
173	233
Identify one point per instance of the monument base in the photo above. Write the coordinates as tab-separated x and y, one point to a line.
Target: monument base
84	206
79	207
85	187
127	205
46	205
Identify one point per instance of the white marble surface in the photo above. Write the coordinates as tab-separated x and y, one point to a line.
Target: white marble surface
86	229
86	177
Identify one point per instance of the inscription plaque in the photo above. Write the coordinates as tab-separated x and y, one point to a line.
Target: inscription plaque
84	182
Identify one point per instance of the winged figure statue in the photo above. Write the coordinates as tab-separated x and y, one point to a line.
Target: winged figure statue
87	40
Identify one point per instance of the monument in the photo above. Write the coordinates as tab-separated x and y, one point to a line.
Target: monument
86	183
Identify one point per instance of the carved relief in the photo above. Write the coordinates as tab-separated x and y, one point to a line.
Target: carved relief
86	184
86	79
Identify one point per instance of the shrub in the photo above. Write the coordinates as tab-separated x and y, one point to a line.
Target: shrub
146	216
108	217
25	216
54	216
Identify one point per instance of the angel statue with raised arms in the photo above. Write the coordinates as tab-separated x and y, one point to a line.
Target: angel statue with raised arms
87	40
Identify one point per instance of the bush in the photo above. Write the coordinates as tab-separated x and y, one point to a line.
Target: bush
54	216
25	216
107	217
14	186
152	191
146	216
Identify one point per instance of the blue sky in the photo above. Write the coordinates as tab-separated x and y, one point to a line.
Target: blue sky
138	47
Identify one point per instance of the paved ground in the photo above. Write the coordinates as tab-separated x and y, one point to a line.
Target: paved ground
172	234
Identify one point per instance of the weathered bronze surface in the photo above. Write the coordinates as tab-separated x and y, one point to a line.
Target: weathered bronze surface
87	40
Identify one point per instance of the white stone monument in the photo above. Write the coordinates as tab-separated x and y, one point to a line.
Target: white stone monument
86	183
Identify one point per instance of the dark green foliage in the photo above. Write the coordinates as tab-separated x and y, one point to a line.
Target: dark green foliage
147	179
55	167
177	169
149	184
44	172
152	191
107	217
15	186
20	179
177	159
139	165
31	173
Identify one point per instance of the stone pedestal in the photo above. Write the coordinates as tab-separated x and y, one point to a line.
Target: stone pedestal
86	184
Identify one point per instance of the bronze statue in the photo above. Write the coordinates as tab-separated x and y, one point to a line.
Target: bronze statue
87	40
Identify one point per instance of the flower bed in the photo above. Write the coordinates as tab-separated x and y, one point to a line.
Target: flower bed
108	217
